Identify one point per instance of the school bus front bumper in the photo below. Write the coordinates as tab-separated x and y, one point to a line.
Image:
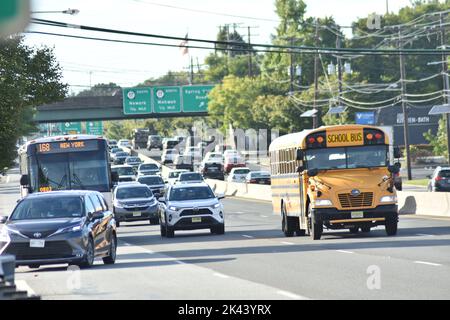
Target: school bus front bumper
334	218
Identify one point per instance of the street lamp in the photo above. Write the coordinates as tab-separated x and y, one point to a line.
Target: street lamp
68	11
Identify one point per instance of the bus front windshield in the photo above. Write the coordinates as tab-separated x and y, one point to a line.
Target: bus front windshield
87	170
348	157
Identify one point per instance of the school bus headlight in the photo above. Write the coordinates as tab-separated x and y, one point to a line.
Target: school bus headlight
388	199
323	202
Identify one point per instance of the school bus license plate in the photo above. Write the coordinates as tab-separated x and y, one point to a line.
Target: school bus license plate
357	214
196	219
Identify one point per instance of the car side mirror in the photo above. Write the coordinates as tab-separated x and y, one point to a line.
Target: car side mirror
162	199
300	155
220	196
3	219
313	172
393	169
24	180
397	153
97	215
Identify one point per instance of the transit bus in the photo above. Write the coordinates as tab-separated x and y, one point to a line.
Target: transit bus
69	162
338	177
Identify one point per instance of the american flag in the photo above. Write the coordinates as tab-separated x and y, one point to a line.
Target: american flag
183	45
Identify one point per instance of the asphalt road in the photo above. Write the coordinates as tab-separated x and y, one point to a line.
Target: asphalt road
253	260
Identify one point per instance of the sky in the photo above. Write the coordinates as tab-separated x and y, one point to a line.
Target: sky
87	62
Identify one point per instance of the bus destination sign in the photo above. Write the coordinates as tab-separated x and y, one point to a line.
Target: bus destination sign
66	146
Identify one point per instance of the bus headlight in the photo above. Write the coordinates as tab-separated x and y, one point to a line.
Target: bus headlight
388	199
322	203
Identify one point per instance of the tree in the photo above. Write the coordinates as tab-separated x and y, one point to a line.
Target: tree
28	77
438	142
100	89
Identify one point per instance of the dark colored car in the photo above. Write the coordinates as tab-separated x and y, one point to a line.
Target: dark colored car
155	182
57	227
154	142
212	170
135	202
258	177
440	180
120	157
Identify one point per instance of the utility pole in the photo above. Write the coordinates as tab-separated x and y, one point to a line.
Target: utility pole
291	67
445	82
250	64
316	80
191	72
339	66
404	106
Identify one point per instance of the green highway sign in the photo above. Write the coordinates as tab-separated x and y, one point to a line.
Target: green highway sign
195	98
166	99
71	128
137	100
14	16
94	127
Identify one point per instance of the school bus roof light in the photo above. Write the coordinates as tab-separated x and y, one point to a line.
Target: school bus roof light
311	140
320	139
378	136
369	136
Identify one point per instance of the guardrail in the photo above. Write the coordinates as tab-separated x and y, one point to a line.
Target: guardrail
8	289
420	203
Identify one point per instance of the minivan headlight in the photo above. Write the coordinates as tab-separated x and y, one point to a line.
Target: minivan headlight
172	208
388	199
4	235
323	202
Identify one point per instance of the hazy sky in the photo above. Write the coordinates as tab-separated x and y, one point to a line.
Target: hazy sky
88	62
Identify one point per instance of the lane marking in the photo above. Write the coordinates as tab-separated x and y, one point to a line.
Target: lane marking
22	285
239	212
424	235
221	275
7	179
344	251
291	295
263	216
288	243
247	236
179	262
428	263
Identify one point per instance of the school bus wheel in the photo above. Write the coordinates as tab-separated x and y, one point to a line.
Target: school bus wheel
391	227
287	224
315	227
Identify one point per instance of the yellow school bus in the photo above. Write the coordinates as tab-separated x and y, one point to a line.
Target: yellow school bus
337	177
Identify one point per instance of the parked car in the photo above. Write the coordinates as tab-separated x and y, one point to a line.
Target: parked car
174	174
168	156
189	177
233	161
190	207
258	177
125	172
119	157
155	183
133	161
60	227
439	180
146	169
154	142
135	202
212	170
124	143
238	174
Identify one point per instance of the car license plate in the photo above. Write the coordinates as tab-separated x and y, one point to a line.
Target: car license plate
137	214
196	219
262	182
37	243
357	214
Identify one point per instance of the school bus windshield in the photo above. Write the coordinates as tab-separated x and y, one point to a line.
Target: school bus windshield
348	157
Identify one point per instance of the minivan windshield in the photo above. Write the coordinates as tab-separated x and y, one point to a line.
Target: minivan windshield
134	192
49	208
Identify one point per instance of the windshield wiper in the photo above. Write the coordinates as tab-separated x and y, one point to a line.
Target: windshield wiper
78	181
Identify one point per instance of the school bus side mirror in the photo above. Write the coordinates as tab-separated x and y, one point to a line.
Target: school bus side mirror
301	167
24	181
300	155
397	153
393	169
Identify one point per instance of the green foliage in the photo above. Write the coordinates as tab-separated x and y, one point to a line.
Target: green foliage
28	77
438	141
100	89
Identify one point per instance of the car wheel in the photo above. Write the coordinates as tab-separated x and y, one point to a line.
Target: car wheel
218	229
89	257
170	232
117	224
154	221
365	229
34	266
111	258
